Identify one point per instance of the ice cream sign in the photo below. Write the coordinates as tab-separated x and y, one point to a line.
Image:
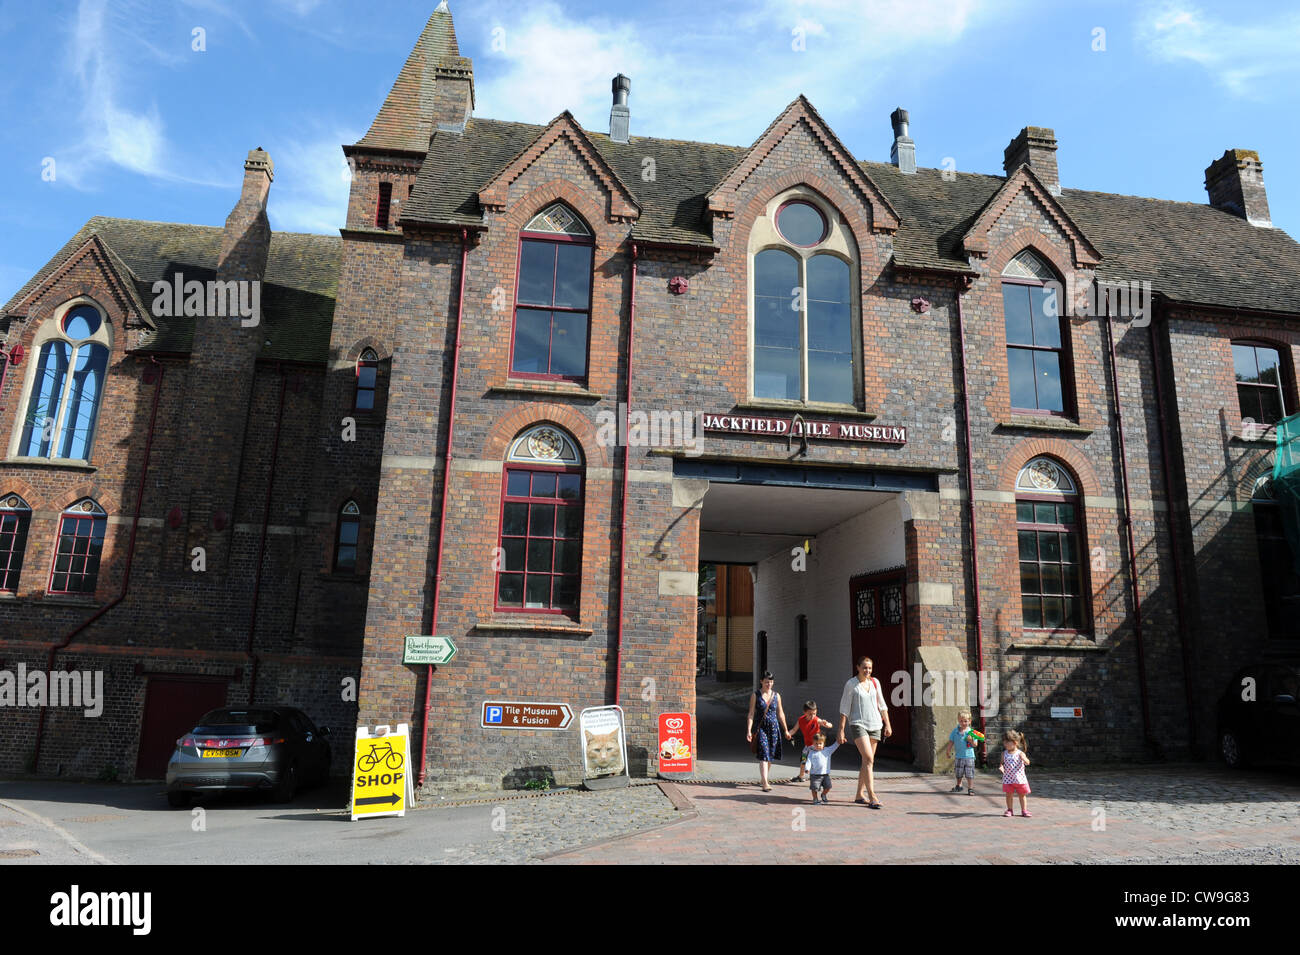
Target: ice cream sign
675	754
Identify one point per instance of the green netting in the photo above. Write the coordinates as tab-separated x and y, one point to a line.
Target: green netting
1286	482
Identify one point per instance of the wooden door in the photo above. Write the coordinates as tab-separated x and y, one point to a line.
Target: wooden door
878	615
171	708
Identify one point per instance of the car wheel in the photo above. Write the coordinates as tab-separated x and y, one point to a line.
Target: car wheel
287	785
1231	750
178	800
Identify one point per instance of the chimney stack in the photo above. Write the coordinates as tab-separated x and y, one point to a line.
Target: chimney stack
1235	182
246	239
903	153
1034	146
620	116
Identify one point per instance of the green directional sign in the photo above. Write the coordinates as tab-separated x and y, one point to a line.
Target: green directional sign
433	650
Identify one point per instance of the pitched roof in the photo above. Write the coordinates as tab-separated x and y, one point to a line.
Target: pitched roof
1190	252
405	121
298	289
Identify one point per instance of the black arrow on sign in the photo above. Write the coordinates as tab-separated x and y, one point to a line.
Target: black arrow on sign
375	800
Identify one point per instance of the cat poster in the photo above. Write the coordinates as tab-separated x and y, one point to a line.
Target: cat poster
604	747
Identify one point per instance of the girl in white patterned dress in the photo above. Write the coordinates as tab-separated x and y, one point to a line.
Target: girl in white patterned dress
1014	760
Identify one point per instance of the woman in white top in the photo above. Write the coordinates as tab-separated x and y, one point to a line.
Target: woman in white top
862	707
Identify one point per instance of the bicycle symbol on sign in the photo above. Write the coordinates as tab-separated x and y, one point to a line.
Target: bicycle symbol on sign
369	760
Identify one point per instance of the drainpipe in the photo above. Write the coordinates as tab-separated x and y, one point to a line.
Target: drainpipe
627	454
970	503
1153	746
442	510
4	369
1179	592
254	659
130	558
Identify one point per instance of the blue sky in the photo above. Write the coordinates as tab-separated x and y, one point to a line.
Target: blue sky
139	124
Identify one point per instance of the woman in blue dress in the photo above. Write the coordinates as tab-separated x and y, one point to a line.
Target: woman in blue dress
768	728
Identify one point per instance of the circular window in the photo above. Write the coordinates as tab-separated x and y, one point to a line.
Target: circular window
81	322
801	223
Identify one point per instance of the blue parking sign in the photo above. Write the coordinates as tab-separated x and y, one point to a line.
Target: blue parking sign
492	714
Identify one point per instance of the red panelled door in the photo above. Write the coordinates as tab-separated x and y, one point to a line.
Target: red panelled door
878	614
171	708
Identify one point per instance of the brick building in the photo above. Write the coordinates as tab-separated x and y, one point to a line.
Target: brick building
475	414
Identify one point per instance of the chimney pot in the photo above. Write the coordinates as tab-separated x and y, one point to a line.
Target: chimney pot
903	151
620	116
1235	182
1035	147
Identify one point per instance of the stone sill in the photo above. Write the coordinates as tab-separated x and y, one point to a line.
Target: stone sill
1059	643
812	407
540	388
58	600
523	626
1034	423
1268	440
62	464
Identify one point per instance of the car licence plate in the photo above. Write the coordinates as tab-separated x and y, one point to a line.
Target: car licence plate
222	753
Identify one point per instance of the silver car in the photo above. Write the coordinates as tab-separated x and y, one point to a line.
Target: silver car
271	748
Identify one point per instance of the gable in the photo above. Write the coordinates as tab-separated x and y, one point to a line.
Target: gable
800	118
1020	185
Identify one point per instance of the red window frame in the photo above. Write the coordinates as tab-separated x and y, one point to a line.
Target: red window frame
78	519
1065	356
506	498
346	520
1075	530
384	204
360	389
15	523
555	237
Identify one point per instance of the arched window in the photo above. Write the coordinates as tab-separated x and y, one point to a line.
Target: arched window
367	380
540	561
345	543
78	549
1037	357
63	400
553	297
1050	539
1260	382
803	308
15	517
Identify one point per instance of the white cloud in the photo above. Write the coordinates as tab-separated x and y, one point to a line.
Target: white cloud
1240	55
719	74
113	132
310	192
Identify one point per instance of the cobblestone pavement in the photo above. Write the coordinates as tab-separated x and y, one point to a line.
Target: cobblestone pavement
1197	814
524	830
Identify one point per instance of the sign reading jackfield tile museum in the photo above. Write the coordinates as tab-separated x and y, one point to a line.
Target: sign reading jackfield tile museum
801	428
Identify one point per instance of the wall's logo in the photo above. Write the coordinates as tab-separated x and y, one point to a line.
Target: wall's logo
83	688
75	908
1116	299
211	299
675	723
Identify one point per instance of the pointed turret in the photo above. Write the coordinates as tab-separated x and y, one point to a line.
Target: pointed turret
434	90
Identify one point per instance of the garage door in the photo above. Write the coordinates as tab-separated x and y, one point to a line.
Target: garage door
171	707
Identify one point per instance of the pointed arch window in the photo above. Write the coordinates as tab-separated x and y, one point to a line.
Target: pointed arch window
553	297
78	550
540	560
63	399
15	518
346	541
1049	531
367	380
1038	362
804	342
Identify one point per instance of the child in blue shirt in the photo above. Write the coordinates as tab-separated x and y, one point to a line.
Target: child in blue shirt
960	746
819	767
